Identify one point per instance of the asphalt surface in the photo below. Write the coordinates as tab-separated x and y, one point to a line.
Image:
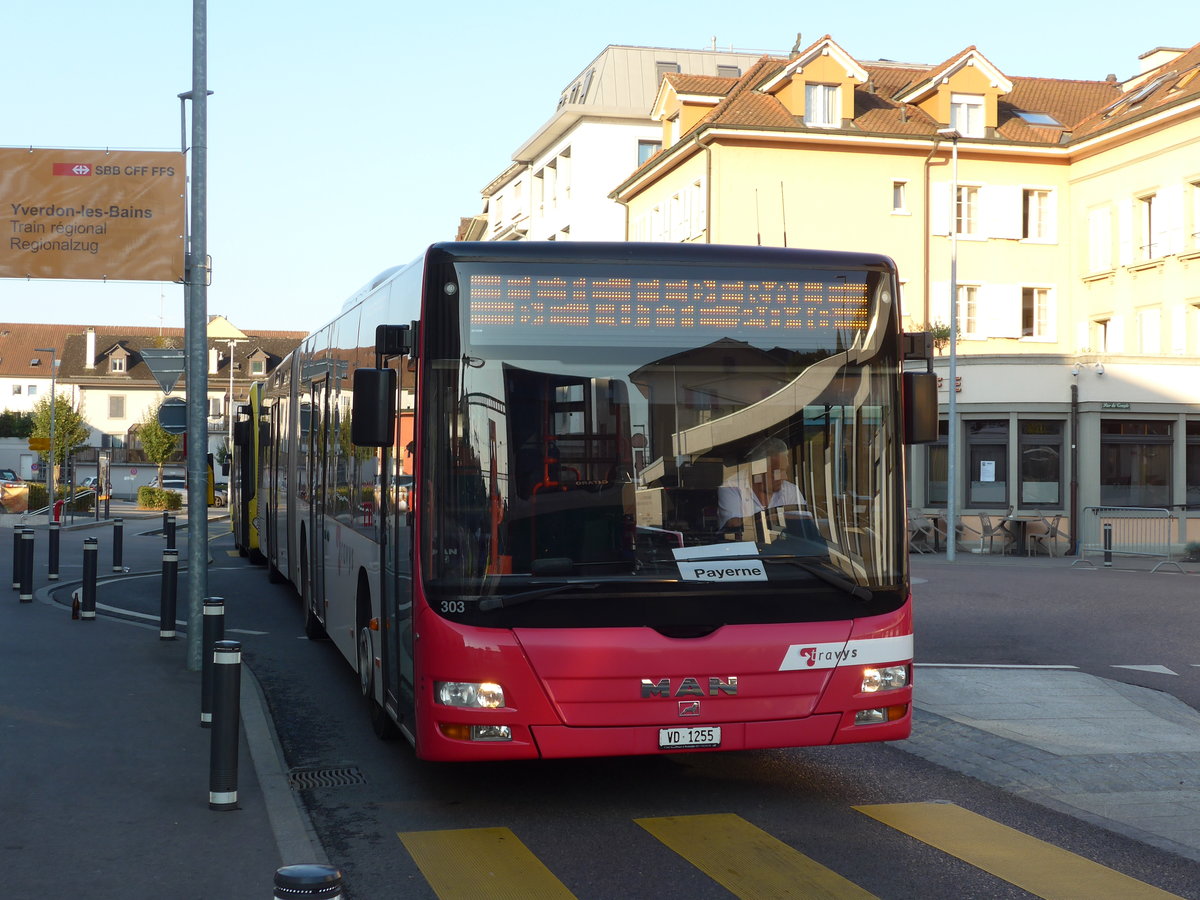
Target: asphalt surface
105	770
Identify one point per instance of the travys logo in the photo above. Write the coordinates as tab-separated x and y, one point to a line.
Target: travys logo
863	651
67	168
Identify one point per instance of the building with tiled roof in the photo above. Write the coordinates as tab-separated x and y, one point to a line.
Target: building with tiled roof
104	373
1063	217
557	184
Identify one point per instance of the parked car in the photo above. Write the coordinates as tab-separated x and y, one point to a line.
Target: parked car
10	476
220	494
175	483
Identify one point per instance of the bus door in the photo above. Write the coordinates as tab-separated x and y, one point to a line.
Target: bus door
320	438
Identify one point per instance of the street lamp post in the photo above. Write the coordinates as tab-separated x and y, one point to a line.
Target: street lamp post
233	342
53	351
952	379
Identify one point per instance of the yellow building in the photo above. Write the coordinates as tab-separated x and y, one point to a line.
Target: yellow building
1066	214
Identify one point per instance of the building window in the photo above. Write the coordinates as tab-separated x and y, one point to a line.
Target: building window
987	463
647	149
1040	446
966	210
899	197
966	114
1100	335
116	364
1099	240
937	468
664	68
968	309
31	390
1037	215
216	407
1195	192
1035	312
1147	246
116	407
821	107
16	388
729	71
258	367
1193	463
1135	463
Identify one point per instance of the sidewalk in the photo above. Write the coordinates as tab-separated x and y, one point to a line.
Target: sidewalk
104	767
1123	757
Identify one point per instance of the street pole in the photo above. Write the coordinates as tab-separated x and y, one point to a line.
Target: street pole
952	403
196	340
53	351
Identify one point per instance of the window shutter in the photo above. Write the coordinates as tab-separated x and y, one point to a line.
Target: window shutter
1000	310
1001	213
1169	225
939	303
1116	335
1179	330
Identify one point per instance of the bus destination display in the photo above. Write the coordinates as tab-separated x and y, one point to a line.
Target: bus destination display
520	308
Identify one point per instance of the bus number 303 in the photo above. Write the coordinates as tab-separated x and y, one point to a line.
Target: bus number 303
454	606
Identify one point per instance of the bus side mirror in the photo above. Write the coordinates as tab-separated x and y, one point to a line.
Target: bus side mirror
920	407
373	418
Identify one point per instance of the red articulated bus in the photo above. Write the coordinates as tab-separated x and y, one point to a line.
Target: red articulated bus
574	499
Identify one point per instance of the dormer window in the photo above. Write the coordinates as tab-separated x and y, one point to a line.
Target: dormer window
116	363
966	114
822	107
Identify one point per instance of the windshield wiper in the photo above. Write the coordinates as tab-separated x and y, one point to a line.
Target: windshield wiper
824	573
501	601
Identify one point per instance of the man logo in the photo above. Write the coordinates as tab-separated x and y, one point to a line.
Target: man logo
689	707
690	687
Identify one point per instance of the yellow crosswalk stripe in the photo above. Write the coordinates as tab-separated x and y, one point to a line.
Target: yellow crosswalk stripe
1033	865
481	862
747	861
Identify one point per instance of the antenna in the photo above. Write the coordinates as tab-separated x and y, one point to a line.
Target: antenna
757	220
783	210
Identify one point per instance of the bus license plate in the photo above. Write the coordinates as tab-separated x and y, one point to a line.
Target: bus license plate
686	738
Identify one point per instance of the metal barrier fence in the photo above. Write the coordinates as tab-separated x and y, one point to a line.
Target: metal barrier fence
1127	531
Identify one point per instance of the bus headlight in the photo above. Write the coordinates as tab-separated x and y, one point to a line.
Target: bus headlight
470	694
884	678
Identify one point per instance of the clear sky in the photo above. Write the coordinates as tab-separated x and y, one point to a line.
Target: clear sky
344	137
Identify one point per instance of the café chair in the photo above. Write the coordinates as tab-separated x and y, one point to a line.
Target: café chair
1044	534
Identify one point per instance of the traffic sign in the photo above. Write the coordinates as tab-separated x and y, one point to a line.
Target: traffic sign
39	443
172	415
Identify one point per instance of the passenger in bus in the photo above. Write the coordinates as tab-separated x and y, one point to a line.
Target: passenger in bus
745	493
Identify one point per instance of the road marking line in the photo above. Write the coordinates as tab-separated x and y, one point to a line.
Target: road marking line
1033	865
481	862
746	860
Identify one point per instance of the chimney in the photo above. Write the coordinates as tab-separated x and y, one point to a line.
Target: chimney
89	353
214	360
1159	56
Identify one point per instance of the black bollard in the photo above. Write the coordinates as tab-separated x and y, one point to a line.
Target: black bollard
1108	544
170	532
223	758
27	565
214	630
87	609
324	882
118	544
52	565
17	532
168	595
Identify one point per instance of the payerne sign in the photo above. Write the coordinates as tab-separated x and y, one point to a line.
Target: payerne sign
92	214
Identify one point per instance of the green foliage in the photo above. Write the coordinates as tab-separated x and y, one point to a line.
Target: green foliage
16	424
158	444
158	498
70	430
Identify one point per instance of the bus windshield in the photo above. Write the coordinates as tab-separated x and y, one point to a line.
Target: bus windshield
659	445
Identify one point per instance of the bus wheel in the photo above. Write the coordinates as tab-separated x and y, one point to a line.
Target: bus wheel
381	722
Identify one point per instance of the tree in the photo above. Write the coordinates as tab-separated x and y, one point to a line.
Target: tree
157	443
70	431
